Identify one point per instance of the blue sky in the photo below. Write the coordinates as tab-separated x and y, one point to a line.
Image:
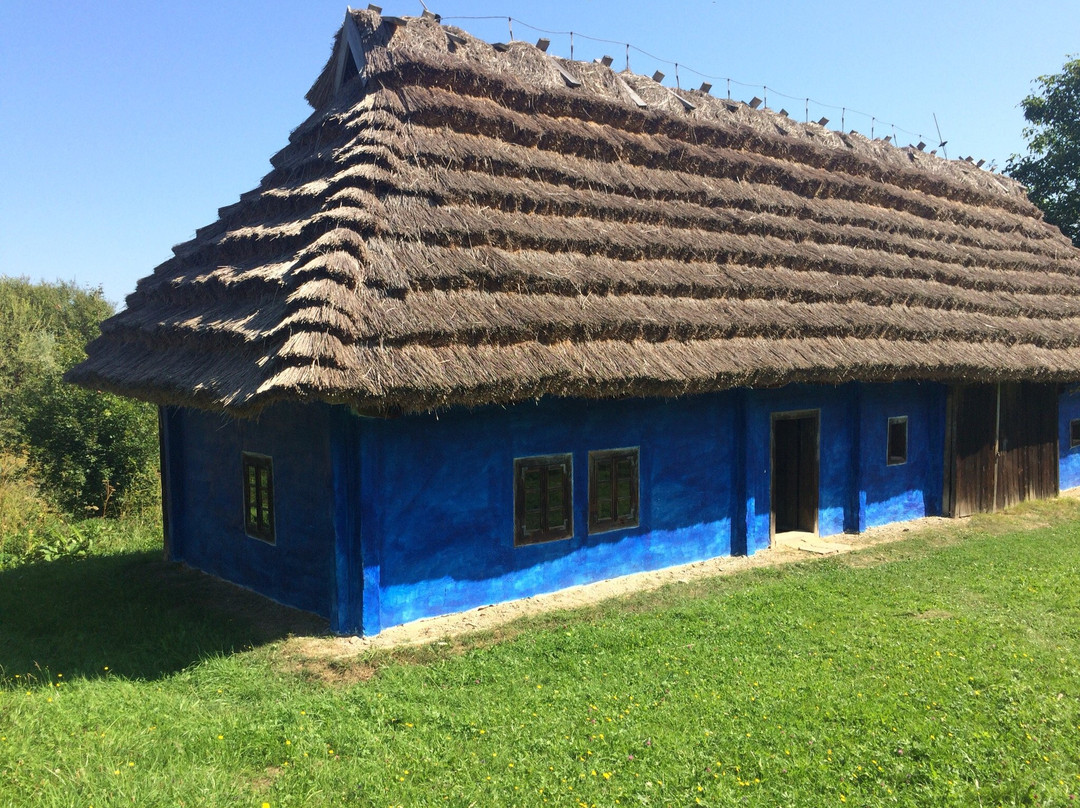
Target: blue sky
124	126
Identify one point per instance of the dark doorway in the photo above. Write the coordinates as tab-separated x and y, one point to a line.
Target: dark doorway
795	472
1001	446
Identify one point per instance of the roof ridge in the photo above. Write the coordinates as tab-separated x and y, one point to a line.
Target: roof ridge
458	225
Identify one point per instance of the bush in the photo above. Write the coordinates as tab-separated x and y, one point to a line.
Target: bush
44	328
89	448
92	453
32	529
21	505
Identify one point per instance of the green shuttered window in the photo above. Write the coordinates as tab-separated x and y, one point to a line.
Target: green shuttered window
613	489
259	497
542	499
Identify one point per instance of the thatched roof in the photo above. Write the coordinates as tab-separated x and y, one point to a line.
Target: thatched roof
462	223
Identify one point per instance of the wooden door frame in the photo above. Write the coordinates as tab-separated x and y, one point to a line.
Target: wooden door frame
793	415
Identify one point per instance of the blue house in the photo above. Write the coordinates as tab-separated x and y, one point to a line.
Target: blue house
497	323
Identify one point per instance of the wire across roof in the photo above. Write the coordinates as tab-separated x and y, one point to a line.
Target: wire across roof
460	224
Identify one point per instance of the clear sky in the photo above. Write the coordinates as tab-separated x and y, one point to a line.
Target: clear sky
124	126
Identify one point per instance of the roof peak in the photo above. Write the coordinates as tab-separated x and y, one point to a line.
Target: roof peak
461	225
364	31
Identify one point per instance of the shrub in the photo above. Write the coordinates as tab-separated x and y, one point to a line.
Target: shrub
92	453
21	505
89	448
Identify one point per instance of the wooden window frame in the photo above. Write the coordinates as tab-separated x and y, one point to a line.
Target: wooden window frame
258	497
545	464
892	459
1074	433
597	524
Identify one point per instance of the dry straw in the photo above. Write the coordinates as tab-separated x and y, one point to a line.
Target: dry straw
458	225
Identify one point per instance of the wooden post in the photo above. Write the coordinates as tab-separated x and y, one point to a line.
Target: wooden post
997	447
948	471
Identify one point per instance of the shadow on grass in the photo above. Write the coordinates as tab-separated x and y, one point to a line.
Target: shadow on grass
138	615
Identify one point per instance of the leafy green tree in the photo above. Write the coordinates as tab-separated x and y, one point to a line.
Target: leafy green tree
90	449
44	328
1051	171
92	452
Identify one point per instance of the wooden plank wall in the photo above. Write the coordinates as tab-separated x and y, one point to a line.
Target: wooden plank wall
1028	444
974	408
1000	459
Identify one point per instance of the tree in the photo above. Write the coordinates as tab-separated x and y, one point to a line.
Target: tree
1051	171
44	328
92	452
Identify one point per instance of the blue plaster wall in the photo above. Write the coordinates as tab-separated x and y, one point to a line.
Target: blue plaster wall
909	490
439	492
382	521
836	406
206	510
857	489
1068	409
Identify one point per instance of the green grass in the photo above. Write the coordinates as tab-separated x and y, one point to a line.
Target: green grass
942	670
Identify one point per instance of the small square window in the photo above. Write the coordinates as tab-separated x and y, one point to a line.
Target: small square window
259	497
542	499
1074	433
897	449
613	489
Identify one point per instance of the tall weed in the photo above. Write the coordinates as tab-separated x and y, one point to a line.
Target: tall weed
32	529
21	506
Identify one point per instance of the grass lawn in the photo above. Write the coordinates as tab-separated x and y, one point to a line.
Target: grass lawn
940	670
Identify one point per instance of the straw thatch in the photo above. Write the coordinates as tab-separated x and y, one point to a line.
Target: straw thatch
462	224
